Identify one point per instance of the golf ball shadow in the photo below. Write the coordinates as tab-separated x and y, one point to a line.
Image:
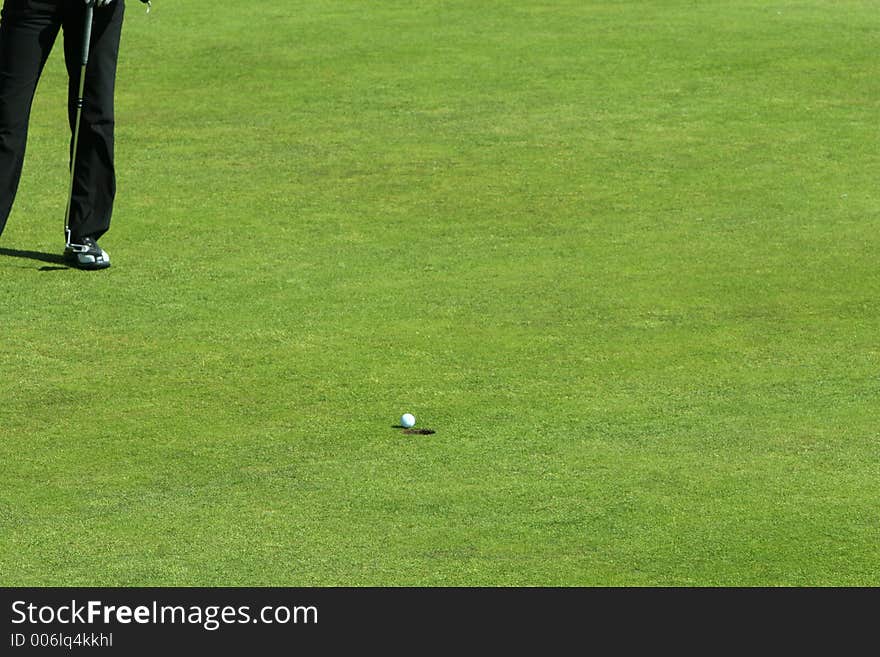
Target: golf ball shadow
419	432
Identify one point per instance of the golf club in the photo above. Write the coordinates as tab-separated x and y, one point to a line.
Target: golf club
87	37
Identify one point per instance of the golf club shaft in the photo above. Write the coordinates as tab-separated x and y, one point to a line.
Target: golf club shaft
87	37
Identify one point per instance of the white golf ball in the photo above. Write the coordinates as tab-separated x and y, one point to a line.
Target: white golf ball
407	420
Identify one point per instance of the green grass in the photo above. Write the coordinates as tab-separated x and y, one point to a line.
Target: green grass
622	256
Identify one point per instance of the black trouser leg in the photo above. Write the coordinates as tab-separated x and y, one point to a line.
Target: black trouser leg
94	184
27	31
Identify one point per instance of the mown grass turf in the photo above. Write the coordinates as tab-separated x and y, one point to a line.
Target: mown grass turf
622	256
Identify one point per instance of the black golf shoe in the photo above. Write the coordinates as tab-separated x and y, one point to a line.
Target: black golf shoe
86	254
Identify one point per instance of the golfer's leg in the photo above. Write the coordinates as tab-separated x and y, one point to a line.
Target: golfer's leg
27	32
94	185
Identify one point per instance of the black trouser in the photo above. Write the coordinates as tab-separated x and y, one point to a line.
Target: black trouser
28	29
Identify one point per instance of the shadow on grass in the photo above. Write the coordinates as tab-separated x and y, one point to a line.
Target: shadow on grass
414	432
51	258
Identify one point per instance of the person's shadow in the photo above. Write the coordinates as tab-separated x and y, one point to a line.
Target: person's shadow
51	258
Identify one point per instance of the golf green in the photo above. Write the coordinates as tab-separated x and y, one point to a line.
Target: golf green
620	256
